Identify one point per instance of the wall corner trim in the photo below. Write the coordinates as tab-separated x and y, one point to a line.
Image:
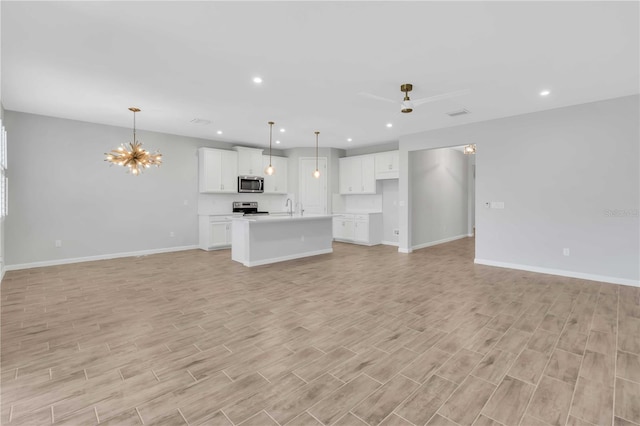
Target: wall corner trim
404	250
99	257
559	272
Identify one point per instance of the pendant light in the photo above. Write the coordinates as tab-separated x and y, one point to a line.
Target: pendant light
316	173
270	170
470	149
134	157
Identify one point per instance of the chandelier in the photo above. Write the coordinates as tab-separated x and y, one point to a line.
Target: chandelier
470	149
134	156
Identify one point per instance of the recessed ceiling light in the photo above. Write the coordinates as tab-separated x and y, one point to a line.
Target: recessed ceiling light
277	141
349	139
219	132
389	125
544	93
257	80
282	130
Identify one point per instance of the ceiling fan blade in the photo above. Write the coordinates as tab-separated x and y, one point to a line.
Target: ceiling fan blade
435	98
379	98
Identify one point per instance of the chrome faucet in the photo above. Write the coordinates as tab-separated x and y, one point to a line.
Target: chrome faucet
290	205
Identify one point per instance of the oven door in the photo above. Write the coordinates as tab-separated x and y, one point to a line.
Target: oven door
250	184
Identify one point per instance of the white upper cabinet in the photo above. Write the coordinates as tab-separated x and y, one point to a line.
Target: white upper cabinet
357	175
387	165
276	183
249	161
217	170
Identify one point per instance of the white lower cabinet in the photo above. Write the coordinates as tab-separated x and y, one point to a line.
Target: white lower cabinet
363	228
343	228
214	232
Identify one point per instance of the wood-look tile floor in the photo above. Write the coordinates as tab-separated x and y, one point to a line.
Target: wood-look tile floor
363	336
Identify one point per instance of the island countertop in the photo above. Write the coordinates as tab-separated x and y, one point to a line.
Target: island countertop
282	217
259	240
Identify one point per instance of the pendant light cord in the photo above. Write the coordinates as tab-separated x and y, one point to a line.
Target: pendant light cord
271	123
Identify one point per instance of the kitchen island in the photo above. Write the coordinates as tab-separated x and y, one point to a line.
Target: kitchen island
260	240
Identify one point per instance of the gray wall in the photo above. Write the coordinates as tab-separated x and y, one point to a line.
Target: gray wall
62	189
2	220
389	210
439	196
561	173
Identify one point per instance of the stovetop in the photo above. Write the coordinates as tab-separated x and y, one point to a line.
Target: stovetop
249	208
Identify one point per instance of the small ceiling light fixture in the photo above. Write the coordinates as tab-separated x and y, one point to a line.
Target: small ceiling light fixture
219	132
134	157
407	105
316	172
349	139
270	170
257	80
470	149
277	142
282	130
545	93
389	125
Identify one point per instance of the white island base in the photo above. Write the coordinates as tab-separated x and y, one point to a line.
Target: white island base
260	240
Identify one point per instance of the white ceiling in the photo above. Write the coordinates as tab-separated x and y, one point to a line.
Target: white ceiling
178	61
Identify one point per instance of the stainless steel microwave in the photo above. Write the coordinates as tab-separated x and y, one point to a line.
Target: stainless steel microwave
250	184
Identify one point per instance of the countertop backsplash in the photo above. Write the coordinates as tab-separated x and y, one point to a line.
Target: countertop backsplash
221	203
362	203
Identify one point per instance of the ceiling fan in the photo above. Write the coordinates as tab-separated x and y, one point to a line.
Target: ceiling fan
407	104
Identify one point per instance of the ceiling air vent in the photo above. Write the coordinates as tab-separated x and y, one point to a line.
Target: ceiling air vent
200	121
458	113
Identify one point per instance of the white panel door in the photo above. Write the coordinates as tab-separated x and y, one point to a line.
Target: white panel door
312	191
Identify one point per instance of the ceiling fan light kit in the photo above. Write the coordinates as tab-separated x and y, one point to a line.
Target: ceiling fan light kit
407	105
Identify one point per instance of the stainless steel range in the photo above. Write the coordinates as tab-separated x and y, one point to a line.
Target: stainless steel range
249	208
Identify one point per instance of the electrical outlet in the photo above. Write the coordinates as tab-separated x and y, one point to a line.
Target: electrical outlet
396	232
58	243
565	251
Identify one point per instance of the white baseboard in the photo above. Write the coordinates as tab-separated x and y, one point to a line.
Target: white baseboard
99	257
560	272
435	243
285	258
404	250
390	243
